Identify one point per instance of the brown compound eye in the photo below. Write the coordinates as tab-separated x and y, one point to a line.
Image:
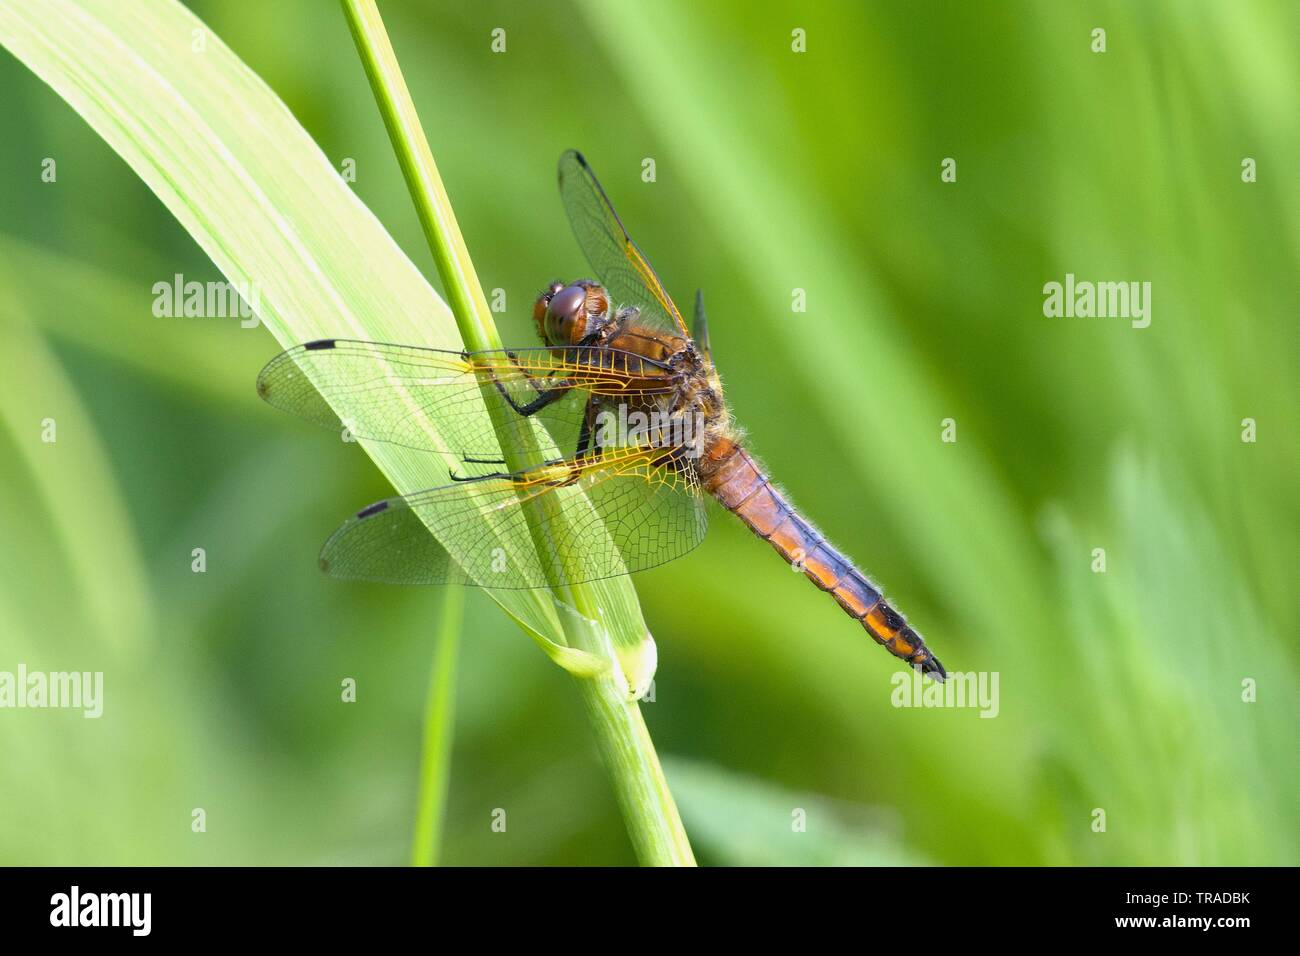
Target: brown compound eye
566	317
541	305
567	303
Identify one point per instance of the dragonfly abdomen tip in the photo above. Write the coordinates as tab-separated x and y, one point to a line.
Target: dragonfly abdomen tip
933	668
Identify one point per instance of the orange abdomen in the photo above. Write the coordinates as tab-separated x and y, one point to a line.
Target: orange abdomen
736	481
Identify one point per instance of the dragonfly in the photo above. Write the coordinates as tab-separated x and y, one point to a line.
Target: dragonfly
590	456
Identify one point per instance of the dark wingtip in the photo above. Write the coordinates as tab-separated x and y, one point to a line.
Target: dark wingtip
564	157
372	510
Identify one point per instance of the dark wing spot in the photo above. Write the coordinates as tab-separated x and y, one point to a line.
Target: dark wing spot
319	344
372	510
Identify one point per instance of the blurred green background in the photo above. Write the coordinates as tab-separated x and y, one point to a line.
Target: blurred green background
776	171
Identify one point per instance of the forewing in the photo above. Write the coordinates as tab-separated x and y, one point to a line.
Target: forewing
620	265
432	399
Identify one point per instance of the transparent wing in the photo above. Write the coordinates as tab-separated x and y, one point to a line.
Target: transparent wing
597	516
619	264
433	400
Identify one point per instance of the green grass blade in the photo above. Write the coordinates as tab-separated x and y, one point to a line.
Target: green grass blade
240	174
648	808
257	194
439	713
468	304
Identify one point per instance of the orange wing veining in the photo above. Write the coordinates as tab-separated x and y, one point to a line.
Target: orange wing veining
620	265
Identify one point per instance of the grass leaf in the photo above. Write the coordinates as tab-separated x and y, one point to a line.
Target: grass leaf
250	185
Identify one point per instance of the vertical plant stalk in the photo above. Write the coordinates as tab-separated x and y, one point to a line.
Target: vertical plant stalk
653	823
439	716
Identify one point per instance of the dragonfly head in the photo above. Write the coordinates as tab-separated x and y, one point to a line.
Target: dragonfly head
566	315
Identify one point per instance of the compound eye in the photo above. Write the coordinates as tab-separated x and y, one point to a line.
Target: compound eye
567	303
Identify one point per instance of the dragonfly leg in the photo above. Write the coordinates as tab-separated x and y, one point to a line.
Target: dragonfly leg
545	395
584	434
585	444
536	405
497	475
